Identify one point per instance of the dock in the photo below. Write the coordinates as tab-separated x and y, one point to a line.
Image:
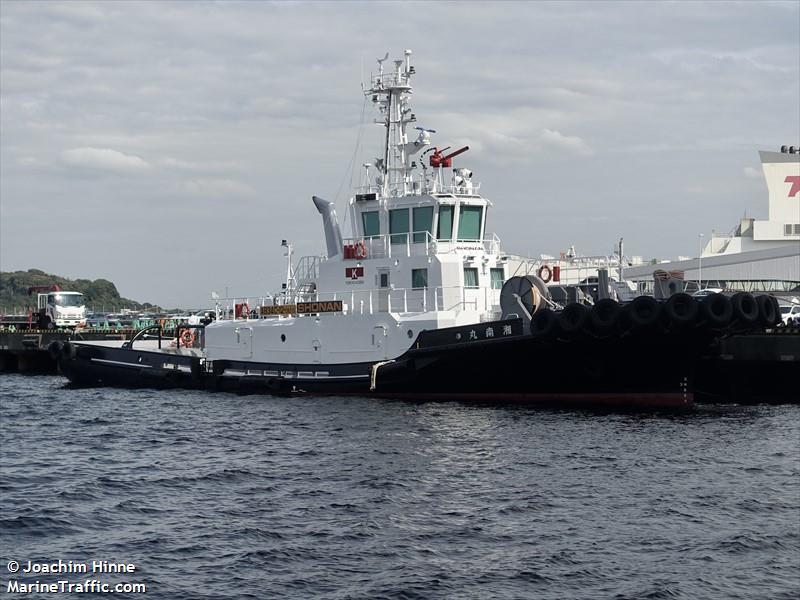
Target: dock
26	351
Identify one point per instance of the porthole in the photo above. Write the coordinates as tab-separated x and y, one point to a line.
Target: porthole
283	337
410	334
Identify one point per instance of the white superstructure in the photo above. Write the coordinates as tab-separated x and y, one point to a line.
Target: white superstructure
418	257
782	228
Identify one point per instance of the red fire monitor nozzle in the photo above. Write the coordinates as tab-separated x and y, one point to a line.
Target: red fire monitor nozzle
437	160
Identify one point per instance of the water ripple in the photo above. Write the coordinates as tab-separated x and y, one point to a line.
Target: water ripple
227	496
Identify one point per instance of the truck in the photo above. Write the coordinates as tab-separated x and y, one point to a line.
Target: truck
57	308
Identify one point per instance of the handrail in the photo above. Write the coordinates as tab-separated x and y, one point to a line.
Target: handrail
141	333
306	268
432	187
371	301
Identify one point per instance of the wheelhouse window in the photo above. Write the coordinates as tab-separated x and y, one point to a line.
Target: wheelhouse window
419	278
469	223
470	277
423	222
445	228
497	277
371	222
398	225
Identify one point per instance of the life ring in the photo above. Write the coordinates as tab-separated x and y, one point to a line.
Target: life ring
187	338
545	274
361	250
244	311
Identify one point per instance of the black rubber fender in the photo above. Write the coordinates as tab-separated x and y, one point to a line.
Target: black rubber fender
544	324
778	316
767	313
68	351
716	310
196	368
605	316
745	308
219	366
574	318
681	310
54	349
644	312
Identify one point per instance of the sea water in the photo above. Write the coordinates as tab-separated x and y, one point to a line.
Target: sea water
198	495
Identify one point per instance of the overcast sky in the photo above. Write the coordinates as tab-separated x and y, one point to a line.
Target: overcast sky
170	147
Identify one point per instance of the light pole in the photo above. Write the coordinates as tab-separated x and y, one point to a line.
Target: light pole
700	265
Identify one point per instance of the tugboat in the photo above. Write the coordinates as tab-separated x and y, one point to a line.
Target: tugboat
417	302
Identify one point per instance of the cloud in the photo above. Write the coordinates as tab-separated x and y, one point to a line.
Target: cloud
196	97
216	187
30	162
171	163
555	139
103	159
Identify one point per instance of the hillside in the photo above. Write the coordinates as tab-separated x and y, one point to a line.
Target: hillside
100	294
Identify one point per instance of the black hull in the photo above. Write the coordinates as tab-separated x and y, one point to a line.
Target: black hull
132	368
633	370
645	369
90	366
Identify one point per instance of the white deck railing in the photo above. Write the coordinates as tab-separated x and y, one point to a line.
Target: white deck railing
424	188
374	301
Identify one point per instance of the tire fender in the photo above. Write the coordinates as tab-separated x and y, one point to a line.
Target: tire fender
544	324
605	316
574	318
717	310
681	310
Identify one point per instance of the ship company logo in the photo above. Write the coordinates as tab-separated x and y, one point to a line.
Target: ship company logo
795	181
354	273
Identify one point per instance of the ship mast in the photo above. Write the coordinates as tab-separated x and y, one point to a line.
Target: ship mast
390	91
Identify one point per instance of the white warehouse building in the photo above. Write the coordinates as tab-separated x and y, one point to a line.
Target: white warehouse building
760	255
